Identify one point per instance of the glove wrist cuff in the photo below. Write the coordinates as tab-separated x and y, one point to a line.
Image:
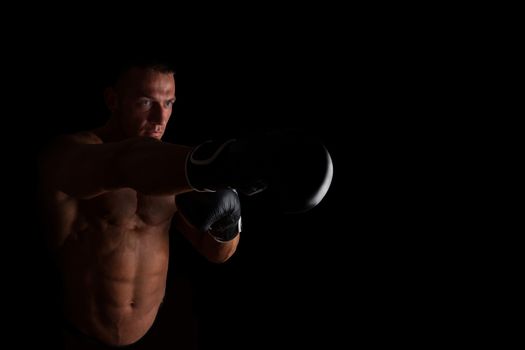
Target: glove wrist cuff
203	166
226	235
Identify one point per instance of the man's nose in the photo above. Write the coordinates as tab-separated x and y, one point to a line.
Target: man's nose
159	114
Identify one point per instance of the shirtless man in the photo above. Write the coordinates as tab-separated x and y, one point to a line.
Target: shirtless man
109	201
110	195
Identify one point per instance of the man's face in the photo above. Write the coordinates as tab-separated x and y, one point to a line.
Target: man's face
143	102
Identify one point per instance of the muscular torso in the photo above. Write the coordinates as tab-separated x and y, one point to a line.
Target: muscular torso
113	251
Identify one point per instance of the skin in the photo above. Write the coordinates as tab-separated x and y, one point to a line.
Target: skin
109	201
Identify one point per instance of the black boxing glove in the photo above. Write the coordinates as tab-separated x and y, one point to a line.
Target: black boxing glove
295	167
218	213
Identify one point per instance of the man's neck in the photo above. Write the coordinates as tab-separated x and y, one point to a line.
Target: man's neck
110	132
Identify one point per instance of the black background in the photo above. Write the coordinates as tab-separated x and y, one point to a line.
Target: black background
357	268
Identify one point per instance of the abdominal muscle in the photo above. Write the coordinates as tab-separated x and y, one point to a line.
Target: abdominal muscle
117	282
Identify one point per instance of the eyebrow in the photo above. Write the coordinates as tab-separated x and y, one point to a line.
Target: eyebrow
143	94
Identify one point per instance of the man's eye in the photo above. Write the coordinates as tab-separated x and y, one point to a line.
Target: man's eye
169	104
145	103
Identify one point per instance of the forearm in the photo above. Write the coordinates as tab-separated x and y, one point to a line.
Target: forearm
152	167
204	243
85	167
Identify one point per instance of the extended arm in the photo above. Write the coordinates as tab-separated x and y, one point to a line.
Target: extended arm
84	167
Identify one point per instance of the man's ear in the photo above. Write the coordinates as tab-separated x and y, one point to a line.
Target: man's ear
110	97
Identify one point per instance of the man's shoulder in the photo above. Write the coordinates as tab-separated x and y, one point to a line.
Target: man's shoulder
60	146
82	137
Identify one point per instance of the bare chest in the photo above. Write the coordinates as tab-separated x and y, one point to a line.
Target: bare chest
127	205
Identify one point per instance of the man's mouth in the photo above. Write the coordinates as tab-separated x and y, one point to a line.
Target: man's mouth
156	130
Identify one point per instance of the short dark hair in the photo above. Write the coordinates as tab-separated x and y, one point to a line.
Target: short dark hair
159	63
